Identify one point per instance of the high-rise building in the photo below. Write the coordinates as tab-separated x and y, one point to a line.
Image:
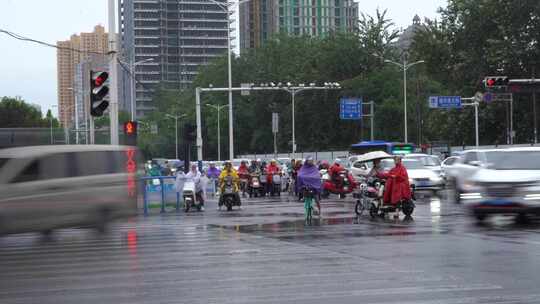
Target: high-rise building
260	19
166	42
85	47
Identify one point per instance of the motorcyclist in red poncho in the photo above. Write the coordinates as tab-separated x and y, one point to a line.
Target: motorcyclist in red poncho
397	186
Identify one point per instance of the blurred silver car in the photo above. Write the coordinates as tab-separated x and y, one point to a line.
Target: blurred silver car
47	187
505	182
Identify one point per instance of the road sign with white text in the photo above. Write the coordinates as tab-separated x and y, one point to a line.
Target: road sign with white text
350	108
445	102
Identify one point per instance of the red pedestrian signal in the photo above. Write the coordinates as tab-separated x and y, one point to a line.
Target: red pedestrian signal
130	132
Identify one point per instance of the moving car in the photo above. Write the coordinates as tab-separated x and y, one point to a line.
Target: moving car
360	169
447	164
431	162
48	187
504	182
421	177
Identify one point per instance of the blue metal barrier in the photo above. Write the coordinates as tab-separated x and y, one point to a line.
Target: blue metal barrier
163	188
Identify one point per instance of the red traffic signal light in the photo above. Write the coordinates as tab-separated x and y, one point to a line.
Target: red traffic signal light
98	92
100	78
496	81
130	128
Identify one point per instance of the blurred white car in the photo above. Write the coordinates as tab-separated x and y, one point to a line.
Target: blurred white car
47	187
422	177
431	162
447	164
503	182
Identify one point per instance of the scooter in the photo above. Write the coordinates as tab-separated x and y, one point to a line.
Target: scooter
192	197
229	196
378	208
254	186
342	185
244	180
264	181
276	185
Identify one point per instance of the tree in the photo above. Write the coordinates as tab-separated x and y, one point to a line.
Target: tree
16	113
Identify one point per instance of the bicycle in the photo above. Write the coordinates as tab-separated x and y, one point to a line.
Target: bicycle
309	199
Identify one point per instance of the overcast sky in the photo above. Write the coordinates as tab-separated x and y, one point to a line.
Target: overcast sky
29	70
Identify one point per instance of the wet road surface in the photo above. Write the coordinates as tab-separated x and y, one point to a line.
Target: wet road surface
265	254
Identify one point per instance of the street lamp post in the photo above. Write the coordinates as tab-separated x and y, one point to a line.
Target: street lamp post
218	109
75	93
132	66
404	66
51	119
226	8
176	118
295	90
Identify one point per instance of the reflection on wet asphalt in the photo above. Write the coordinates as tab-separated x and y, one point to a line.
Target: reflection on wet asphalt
266	254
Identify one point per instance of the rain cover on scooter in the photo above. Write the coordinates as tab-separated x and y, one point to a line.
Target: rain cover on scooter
309	176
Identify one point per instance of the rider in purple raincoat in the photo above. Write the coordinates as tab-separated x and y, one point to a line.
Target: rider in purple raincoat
309	176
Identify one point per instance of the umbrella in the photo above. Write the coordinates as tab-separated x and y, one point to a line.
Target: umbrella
371	156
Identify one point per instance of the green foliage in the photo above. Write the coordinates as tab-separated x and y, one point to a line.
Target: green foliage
471	40
16	113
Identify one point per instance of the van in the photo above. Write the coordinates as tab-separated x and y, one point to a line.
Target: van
43	188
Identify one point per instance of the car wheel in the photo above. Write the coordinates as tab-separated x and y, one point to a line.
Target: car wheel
480	217
522	218
104	217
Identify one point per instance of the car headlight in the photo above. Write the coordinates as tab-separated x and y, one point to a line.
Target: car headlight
470	186
435	179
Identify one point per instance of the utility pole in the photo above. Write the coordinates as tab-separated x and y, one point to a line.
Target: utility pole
113	94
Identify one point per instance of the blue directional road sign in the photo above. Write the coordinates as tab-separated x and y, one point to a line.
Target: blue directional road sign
350	108
445	102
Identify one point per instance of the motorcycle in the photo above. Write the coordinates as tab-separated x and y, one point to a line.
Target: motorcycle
368	194
341	184
275	188
229	196
192	196
244	180
264	184
377	206
254	186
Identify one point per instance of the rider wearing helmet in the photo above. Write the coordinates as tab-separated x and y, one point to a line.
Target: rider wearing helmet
336	169
229	171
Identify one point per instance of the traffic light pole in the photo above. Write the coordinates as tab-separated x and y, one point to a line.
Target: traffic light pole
475	103
289	88
113	112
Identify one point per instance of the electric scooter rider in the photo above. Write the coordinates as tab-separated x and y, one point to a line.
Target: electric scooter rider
195	175
243	173
229	171
397	186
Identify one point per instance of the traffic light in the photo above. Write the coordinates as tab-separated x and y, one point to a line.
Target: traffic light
496	81
99	90
130	132
190	132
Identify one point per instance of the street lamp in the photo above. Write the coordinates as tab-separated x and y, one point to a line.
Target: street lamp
226	8
132	66
293	90
176	118
404	66
218	109
76	115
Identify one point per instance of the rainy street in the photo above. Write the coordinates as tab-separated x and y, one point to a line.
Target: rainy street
266	254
